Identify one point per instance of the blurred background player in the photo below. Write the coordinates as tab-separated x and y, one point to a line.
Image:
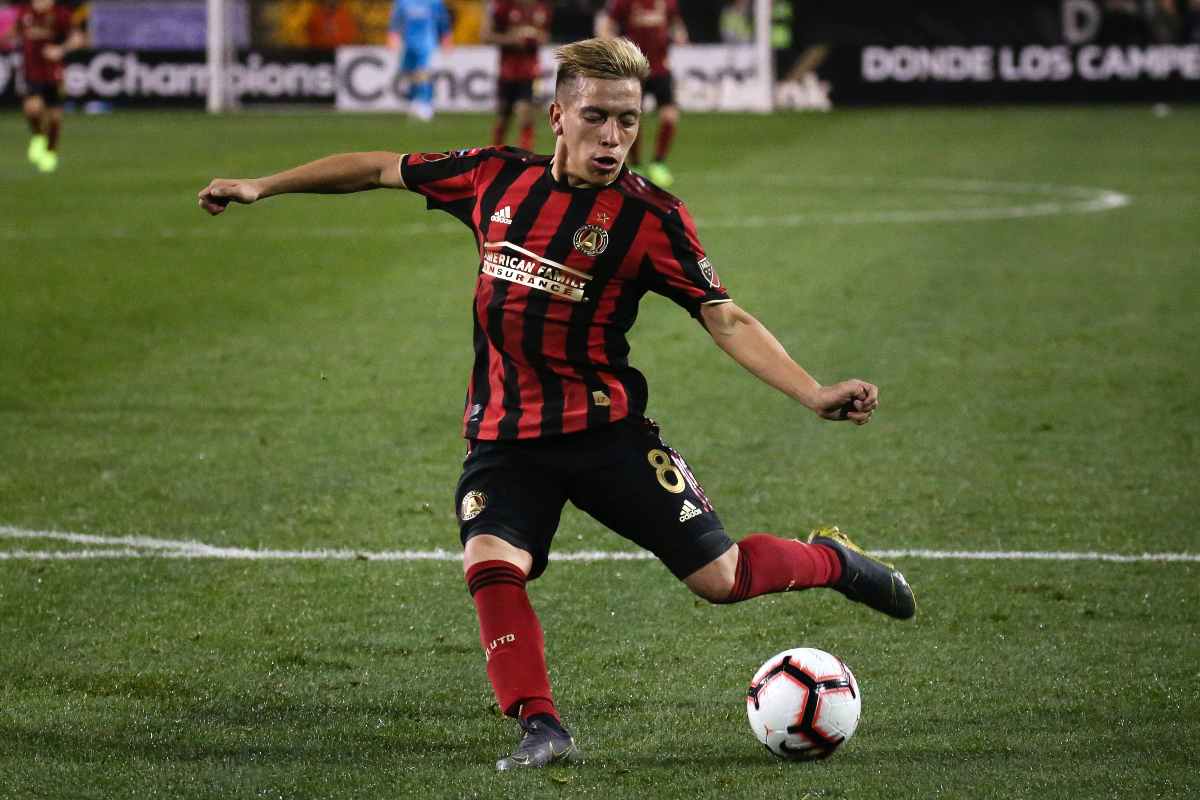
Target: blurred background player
519	27
653	25
47	33
417	28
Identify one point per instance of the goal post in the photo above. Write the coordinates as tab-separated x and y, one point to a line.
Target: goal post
764	57
221	54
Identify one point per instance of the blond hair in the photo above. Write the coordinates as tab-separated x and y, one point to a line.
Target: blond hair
607	59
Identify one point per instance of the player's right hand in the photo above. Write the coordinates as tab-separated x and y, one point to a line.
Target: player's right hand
222	191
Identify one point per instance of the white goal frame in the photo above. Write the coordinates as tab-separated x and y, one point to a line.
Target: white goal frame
220	57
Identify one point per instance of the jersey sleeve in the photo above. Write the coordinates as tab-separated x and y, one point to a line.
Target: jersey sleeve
679	269
447	180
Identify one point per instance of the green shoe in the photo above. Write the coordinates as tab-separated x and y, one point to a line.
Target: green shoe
867	580
658	172
48	162
37	149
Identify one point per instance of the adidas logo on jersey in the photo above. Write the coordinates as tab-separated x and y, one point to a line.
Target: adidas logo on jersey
689	510
503	216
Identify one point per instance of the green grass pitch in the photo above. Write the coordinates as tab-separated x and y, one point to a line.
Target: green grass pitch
1023	284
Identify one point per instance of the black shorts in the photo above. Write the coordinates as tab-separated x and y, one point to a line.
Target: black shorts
662	87
509	93
624	475
51	92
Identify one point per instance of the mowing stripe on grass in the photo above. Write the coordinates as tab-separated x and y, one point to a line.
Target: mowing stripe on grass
1040	200
146	547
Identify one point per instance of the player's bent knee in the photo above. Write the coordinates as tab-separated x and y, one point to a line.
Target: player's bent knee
714	581
485	547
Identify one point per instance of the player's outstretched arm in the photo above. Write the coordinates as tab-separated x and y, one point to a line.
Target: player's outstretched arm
339	174
750	344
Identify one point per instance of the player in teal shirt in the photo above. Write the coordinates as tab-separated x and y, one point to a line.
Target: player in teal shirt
419	27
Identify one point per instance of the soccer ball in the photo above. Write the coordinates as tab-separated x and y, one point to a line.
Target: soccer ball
803	704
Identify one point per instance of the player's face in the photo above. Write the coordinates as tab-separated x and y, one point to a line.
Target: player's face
41	5
596	122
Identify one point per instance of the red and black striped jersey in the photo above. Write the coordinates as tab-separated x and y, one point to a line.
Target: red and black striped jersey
648	23
561	273
519	62
37	30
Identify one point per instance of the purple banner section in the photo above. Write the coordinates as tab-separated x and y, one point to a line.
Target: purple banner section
129	78
160	24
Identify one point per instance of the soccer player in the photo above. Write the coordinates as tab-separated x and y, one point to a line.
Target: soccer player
568	245
47	35
520	27
418	27
653	25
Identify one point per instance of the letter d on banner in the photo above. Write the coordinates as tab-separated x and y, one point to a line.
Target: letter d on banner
1080	21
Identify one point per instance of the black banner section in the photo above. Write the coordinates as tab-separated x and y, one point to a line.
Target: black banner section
930	23
180	79
876	74
984	51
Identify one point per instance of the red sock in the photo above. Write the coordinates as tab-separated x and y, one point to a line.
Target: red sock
498	132
35	124
52	135
768	564
666	132
512	639
527	138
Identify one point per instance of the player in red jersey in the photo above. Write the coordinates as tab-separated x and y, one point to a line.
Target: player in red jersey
568	245
519	27
653	25
47	34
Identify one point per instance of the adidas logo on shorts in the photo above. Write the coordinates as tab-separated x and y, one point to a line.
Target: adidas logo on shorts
503	216
689	510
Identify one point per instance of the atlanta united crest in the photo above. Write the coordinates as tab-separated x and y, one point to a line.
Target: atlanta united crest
472	505
591	240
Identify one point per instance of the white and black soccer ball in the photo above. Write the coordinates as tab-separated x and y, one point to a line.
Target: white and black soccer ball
803	704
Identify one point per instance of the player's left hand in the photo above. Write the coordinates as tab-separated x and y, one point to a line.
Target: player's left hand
53	52
854	400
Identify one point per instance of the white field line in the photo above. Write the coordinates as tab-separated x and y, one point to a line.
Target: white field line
1045	199
115	547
